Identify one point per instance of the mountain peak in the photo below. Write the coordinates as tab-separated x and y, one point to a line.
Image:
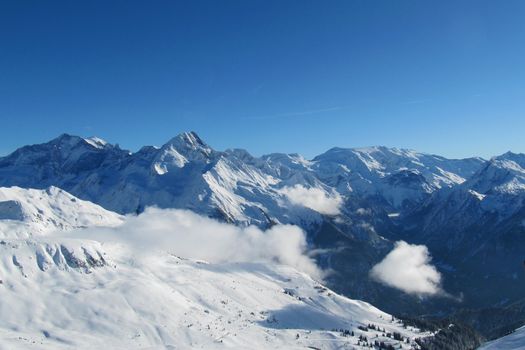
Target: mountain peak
69	141
189	138
64	139
189	142
509	161
97	142
187	146
518	158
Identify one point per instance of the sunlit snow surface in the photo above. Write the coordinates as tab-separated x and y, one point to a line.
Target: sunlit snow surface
514	341
28	212
71	293
164	300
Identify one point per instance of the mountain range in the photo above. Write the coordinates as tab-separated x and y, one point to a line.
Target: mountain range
353	204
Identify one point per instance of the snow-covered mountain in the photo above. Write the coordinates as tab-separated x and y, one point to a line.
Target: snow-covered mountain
63	291
493	194
183	173
352	190
353	204
187	173
478	229
403	178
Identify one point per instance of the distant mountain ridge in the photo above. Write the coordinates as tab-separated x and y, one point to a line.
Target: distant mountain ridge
95	170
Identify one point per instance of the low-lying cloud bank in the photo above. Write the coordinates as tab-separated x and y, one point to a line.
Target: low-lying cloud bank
187	234
407	267
314	198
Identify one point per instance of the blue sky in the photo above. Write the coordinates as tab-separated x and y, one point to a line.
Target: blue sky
445	77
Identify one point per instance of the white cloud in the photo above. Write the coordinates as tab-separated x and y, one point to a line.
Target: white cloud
189	235
407	267
314	198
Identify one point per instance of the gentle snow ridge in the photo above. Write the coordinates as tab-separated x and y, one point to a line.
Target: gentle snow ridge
27	212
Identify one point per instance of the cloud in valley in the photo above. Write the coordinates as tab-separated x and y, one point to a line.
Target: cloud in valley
407	267
314	198
187	234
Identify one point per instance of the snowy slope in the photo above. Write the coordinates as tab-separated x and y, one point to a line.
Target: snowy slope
109	294
514	341
163	300
27	212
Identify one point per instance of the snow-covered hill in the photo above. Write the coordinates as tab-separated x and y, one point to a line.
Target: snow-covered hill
513	341
65	291
28	212
91	296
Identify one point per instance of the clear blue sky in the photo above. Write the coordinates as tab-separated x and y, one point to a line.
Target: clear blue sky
445	77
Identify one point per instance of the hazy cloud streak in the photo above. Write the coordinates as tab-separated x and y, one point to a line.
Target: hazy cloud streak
314	198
